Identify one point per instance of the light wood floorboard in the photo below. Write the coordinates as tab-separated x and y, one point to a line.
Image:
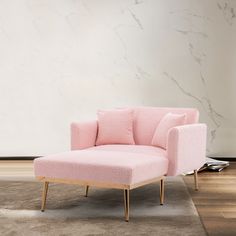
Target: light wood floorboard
216	200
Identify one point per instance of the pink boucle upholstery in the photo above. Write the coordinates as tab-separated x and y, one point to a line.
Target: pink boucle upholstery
146	120
115	127
83	134
102	166
142	149
169	121
186	148
129	164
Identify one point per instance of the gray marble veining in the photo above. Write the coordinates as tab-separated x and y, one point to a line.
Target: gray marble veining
205	103
228	12
65	59
136	19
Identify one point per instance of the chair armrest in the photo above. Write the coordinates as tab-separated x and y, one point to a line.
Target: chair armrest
83	134
186	148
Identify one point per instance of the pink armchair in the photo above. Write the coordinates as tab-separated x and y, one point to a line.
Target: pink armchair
127	166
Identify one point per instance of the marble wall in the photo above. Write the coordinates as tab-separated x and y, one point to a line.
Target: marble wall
61	60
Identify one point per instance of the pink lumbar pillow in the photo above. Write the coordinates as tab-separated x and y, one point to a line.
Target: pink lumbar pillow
169	121
115	127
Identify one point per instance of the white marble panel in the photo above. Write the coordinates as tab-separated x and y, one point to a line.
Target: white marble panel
61	60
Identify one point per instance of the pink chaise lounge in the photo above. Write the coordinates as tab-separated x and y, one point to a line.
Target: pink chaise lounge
127	166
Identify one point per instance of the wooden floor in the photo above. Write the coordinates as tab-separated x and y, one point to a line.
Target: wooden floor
215	200
16	169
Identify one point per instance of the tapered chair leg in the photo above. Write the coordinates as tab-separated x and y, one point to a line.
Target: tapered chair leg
196	180
86	190
126	203
161	191
44	195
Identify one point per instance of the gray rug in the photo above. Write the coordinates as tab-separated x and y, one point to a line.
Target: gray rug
68	212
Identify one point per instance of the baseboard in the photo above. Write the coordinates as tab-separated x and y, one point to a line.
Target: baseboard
224	158
15	158
18	158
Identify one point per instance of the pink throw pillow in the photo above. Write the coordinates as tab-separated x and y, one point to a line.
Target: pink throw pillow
169	121
115	127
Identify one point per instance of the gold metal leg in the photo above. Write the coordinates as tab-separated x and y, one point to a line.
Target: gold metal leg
86	190
126	201
161	191
196	180
44	196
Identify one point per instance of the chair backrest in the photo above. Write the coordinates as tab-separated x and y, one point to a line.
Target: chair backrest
146	120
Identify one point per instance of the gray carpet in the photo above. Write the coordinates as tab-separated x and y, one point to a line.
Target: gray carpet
68	212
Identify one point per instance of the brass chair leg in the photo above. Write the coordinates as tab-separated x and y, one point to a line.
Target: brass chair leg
161	191
86	190
126	203
44	196
196	180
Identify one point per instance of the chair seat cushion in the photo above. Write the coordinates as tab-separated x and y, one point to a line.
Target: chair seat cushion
142	149
121	167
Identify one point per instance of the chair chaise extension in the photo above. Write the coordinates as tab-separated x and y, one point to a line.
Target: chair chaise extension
127	167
